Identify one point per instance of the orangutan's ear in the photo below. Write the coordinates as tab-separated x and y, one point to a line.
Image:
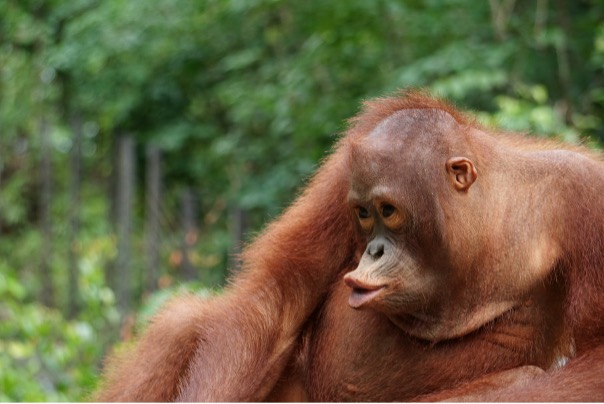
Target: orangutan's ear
461	172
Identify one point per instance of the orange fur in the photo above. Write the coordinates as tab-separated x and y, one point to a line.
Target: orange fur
282	328
234	347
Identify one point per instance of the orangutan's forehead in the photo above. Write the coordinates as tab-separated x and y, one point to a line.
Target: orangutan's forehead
360	191
409	123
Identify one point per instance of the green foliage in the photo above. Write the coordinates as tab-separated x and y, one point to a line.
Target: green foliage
243	98
43	356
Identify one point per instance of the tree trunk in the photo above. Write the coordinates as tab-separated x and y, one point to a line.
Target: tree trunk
73	295
1	175
153	196
238	228
125	197
111	190
47	296
190	233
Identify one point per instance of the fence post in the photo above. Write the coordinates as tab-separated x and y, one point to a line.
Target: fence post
190	233
153	198
46	174
125	199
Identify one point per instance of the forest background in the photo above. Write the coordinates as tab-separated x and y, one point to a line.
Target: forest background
142	142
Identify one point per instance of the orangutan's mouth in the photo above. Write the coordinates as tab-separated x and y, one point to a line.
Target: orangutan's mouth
360	296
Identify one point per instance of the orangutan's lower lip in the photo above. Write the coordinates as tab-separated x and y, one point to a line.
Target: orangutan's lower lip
359	296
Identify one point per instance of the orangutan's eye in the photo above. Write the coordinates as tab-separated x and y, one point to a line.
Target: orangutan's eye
388	210
362	213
